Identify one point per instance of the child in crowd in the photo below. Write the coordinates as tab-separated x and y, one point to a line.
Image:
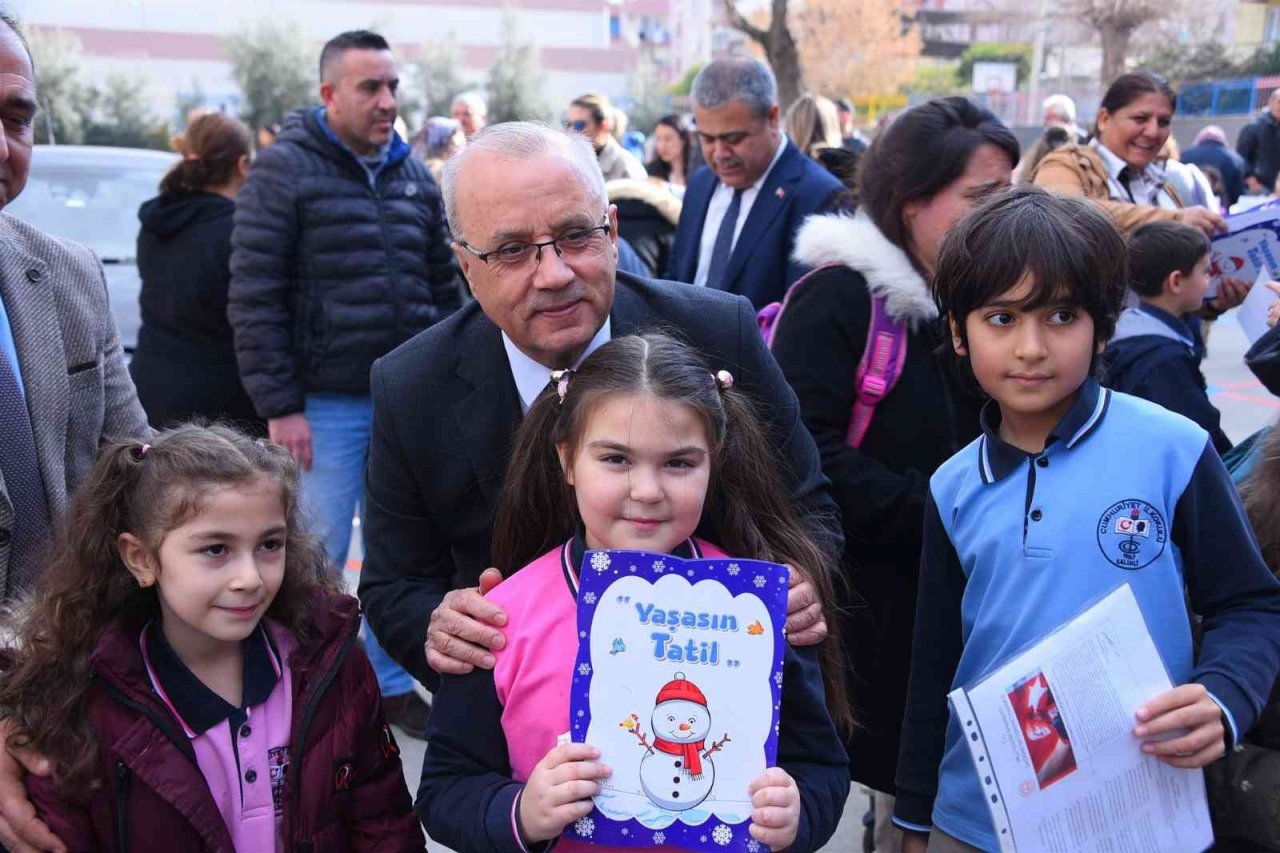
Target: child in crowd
1243	786
641	446
1016	538
191	671
1154	354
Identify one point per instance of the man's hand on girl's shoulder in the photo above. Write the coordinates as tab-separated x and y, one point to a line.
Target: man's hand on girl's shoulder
1188	709
21	830
462	632
806	622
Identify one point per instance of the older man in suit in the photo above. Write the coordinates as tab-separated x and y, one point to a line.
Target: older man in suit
742	210
446	404
63	386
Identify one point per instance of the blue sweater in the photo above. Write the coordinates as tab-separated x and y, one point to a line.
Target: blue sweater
1015	544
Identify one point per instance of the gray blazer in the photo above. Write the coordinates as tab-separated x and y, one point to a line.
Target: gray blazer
78	390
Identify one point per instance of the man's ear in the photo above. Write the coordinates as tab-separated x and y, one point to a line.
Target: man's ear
957	340
137	559
327	88
562	450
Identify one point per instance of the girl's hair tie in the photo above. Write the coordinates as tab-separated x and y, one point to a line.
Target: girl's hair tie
142	451
724	379
561	378
190	156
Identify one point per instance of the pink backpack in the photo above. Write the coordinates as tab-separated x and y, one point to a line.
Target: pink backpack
882	359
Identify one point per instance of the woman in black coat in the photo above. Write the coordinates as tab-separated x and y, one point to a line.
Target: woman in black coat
916	181
185	365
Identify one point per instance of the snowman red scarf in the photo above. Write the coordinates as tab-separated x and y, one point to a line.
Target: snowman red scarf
680	689
690	752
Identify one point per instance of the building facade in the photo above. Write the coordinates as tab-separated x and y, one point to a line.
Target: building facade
177	45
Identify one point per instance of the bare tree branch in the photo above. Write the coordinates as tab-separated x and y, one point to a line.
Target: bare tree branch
742	24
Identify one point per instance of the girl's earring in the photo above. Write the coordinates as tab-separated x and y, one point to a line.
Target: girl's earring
146	582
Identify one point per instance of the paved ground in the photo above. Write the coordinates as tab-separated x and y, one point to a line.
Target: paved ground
1246	406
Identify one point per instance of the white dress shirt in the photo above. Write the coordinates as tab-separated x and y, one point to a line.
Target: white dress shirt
1147	186
531	377
719	206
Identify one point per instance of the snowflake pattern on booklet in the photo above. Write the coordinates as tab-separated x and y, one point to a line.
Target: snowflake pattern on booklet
678	682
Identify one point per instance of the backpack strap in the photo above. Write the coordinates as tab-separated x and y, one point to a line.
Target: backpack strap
767	317
882	359
880	368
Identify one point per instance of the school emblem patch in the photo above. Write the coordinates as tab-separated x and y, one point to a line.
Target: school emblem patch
1132	534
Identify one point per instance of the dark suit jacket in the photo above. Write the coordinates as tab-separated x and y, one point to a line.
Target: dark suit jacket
445	410
760	267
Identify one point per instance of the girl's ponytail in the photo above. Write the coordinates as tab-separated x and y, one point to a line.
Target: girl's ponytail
84	587
750	505
537	510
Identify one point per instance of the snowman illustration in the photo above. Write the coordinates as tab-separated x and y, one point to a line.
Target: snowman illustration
676	772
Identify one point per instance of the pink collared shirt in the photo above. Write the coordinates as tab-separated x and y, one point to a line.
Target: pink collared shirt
246	774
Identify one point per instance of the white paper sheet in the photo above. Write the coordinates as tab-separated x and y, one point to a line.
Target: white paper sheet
1051	734
1252	313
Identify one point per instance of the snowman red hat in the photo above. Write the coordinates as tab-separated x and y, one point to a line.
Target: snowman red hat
680	689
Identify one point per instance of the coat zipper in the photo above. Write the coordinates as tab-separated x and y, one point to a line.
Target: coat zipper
300	736
184	745
124	787
386	248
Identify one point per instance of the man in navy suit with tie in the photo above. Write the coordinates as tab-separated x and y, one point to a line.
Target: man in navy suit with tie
741	211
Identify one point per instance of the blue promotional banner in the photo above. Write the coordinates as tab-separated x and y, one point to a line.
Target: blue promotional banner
678	682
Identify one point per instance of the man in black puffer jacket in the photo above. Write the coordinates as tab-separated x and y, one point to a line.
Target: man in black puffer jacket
340	253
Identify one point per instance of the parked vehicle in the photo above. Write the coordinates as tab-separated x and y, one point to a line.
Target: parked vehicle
91	194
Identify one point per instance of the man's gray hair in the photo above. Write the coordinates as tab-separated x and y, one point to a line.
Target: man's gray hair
738	79
1061	106
523	140
473	100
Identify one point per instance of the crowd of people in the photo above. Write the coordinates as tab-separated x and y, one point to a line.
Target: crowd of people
436	335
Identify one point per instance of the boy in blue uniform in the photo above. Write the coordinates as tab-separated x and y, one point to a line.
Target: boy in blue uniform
1021	530
1155	354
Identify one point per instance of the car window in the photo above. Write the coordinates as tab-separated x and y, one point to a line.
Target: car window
91	203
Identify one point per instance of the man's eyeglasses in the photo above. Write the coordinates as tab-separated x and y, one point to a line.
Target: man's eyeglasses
578	126
514	255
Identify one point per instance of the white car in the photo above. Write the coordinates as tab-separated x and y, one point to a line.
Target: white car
91	194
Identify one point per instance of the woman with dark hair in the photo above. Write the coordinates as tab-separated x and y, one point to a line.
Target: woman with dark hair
185	364
1117	169
672	149
918	178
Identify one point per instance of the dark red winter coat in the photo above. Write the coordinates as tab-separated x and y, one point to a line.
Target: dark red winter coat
154	797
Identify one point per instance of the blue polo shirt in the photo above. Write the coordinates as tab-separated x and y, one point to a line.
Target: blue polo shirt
1015	544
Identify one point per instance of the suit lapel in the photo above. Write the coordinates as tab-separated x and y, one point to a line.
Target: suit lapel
695	208
774	197
489	414
33	316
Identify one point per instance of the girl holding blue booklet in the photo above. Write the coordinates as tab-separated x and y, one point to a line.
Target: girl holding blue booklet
639	447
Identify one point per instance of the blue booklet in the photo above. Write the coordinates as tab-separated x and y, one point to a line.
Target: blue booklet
678	682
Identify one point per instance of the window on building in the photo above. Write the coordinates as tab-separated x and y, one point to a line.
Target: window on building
1271	31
